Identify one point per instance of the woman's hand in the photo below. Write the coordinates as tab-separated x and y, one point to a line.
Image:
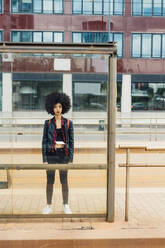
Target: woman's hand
45	163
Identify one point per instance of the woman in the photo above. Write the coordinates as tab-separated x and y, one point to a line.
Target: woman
57	145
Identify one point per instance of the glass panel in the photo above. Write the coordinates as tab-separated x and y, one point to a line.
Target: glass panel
37	6
0	36
156	46
58	37
87	7
0	5
118	7
163	45
163	7
119	39
37	36
26	36
108	8
30	95
137	7
58	6
15	36
146	45
77	37
147	7
98	7
15	5
47	37
157	7
77	6
136	45
148	96
89	96
48	6
27	5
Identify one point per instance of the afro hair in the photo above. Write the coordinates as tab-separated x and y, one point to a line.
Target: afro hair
54	98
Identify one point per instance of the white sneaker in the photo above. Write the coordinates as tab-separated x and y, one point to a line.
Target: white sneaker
47	210
67	209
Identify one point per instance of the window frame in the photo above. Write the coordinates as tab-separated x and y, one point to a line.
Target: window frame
32	33
112	35
20	11
112	12
162	12
152	48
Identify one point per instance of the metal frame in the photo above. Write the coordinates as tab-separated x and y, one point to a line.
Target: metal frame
109	49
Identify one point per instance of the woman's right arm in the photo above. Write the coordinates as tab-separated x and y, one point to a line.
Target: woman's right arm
45	142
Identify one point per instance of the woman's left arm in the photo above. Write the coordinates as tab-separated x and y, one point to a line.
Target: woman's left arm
71	141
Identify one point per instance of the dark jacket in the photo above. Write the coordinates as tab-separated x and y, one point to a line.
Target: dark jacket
47	139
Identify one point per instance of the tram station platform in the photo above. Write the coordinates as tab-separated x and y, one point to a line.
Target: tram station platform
144	229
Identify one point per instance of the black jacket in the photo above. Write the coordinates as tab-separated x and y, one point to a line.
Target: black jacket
47	139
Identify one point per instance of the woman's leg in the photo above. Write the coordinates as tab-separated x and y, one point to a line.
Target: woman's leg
64	183
49	186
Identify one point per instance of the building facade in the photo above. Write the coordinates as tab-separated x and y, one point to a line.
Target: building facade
138	27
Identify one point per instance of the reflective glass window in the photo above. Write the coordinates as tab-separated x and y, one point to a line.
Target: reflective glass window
136	7
76	7
37	6
147	7
15	5
87	7
118	7
27	5
163	45
58	37
136	45
163	11
0	5
26	36
99	37
98	7
77	37
0	35
37	36
47	36
30	95
58	6
156	45
157	7
48	6
15	36
146	45
90	96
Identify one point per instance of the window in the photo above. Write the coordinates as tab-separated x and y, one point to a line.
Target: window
98	7
37	6
0	5
148	96
30	95
89	96
1	36
148	45
148	7
99	37
37	36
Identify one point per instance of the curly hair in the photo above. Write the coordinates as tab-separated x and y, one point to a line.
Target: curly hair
54	98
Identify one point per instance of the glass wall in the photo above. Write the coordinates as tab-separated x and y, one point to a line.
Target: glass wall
1	36
37	36
38	6
99	37
0	5
30	95
98	7
148	7
148	45
148	96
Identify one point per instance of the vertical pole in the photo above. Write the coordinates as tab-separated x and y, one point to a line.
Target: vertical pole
111	135
127	183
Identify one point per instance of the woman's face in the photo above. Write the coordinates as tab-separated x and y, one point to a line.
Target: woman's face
57	109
